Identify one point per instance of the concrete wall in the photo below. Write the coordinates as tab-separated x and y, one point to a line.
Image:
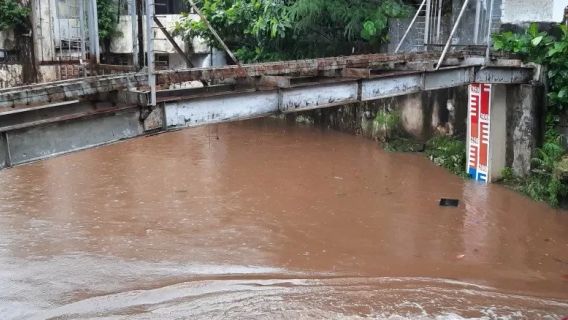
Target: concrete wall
123	43
422	115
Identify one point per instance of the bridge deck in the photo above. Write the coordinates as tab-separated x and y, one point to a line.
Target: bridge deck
37	94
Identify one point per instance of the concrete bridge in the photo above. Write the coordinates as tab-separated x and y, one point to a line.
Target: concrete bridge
43	120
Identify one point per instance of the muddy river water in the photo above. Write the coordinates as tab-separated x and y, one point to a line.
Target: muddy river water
266	220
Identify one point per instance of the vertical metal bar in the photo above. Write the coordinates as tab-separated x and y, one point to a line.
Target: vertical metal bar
427	23
93	33
477	22
96	23
134	21
82	30
140	32
489	25
454	29
410	26
150	50
439	26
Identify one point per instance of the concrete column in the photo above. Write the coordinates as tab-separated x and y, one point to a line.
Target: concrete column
524	104
498	132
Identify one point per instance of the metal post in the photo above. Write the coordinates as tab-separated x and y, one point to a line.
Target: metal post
150	50
140	32
489	25
439	26
477	22
82	30
134	22
94	48
427	24
454	29
410	26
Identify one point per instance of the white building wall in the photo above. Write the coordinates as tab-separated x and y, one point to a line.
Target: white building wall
124	43
521	11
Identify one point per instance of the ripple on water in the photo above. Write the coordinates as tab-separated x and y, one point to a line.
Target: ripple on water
346	298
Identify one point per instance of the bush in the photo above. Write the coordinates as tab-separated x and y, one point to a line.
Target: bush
448	152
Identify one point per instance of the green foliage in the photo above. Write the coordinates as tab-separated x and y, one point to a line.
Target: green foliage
448	152
400	144
13	15
542	48
547	182
261	30
107	11
386	120
551	51
508	175
543	184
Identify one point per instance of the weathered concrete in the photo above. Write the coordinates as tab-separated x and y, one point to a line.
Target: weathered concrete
420	115
40	142
318	96
388	87
524	110
220	108
4	152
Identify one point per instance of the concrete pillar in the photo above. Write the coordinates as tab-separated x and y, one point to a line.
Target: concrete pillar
498	132
524	103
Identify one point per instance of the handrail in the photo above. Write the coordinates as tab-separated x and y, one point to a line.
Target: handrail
454	29
410	26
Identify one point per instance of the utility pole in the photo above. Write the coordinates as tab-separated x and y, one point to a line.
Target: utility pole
140	13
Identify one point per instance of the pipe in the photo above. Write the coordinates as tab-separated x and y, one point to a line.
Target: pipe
454	29
410	26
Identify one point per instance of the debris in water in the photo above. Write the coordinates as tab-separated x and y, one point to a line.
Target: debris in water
449	202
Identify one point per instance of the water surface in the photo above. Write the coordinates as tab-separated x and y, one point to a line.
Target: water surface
262	219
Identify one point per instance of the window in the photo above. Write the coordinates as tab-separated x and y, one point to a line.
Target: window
170	6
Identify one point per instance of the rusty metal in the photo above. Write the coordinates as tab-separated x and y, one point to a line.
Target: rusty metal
360	66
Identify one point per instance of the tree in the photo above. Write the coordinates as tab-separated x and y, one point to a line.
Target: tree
108	18
261	30
16	15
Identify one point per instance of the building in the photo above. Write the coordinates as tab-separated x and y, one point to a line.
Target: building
61	31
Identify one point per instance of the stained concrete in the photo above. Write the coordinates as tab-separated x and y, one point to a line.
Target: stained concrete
4	155
44	141
524	112
207	110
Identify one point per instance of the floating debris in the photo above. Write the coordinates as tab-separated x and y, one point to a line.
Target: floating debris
449	202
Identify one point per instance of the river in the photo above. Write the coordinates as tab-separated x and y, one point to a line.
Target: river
264	219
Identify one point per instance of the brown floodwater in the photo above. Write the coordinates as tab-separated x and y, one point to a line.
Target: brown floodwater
264	219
